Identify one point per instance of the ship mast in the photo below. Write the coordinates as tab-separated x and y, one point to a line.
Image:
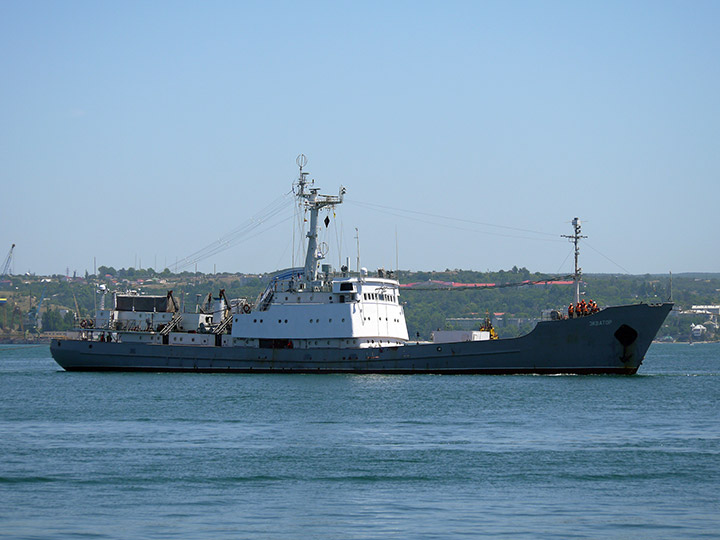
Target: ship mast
575	239
313	201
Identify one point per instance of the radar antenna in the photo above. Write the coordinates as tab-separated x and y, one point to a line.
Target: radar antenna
575	239
299	186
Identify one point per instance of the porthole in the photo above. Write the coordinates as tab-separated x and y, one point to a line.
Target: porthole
285	321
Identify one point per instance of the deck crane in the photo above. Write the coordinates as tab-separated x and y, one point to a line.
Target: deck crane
8	262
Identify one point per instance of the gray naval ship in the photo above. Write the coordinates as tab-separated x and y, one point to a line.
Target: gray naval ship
311	319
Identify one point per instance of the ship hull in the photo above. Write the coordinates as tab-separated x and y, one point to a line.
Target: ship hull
612	341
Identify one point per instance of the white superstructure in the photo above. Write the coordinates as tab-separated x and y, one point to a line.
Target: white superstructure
342	312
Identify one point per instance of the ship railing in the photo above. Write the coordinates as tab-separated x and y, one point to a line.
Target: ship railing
92	334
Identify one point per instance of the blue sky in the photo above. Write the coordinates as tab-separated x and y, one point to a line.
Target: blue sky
140	132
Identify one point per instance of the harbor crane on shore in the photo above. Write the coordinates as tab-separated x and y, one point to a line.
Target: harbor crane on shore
6	267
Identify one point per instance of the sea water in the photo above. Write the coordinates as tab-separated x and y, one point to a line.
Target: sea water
150	455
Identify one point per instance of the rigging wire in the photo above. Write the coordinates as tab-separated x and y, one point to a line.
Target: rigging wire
395	212
274	225
474	222
566	258
392	211
292	254
459	287
237	235
284	251
338	241
608	258
300	219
